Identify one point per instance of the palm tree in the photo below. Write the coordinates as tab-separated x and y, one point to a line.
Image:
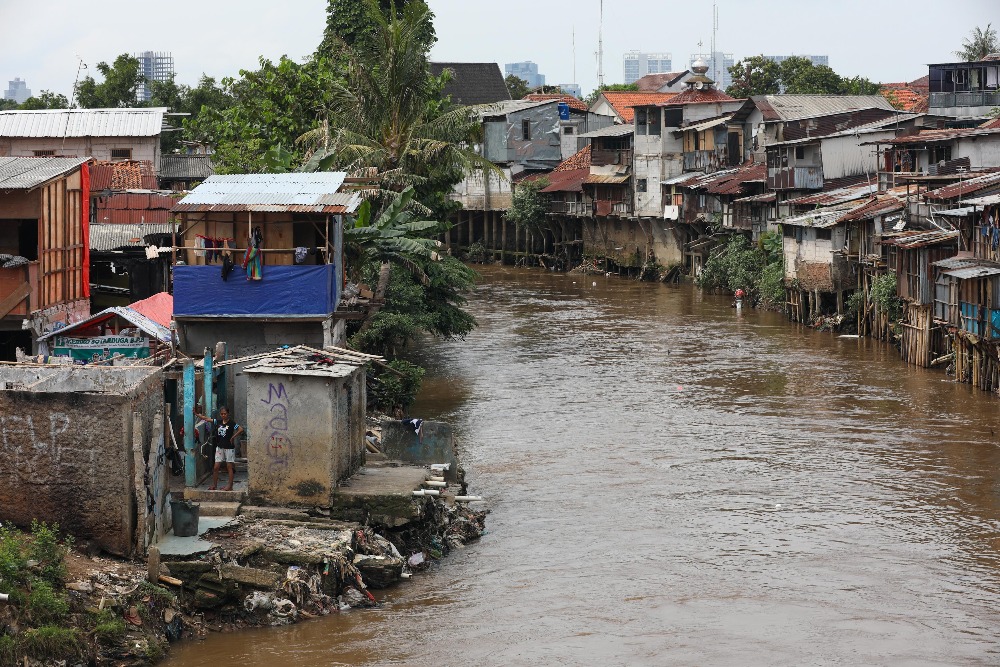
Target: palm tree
387	119
979	44
380	118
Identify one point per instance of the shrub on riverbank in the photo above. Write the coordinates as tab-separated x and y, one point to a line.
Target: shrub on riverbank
756	269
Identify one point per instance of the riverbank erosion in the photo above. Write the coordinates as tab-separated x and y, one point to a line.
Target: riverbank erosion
267	566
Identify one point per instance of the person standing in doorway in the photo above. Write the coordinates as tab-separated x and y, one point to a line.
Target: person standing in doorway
224	432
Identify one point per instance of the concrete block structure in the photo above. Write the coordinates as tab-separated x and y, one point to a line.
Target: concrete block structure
305	424
82	447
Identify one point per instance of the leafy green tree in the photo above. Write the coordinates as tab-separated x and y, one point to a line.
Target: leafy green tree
859	85
260	109
755	75
119	88
800	77
612	87
7	105
517	86
46	100
528	206
979	44
350	23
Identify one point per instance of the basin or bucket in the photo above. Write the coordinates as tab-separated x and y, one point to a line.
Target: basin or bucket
185	515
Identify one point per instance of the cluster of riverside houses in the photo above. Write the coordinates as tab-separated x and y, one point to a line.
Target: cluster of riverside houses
857	188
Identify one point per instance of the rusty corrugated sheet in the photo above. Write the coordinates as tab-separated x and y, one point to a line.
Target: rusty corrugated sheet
607	179
975	184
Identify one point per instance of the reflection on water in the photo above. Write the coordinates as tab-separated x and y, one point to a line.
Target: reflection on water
676	483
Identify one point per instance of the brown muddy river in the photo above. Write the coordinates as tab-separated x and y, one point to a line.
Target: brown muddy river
672	483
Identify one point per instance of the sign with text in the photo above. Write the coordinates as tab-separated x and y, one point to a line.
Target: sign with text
99	348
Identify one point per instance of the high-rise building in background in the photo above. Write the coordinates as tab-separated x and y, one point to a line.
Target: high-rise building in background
573	89
17	90
718	67
815	60
639	64
154	66
528	71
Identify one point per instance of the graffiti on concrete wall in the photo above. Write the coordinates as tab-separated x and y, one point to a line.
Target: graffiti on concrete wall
39	451
278	439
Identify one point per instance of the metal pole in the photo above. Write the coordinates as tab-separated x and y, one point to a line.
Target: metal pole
208	381
190	473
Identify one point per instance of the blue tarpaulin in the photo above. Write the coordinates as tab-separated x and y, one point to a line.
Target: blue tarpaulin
285	291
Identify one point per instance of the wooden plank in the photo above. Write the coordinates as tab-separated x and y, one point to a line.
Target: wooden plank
16	297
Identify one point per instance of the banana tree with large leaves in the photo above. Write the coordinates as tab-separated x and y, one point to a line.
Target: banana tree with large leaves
394	237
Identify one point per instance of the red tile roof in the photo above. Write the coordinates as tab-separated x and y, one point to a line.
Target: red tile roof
580	160
905	97
991	124
623	102
693	96
573	102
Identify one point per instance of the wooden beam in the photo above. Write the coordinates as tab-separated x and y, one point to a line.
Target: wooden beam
15	297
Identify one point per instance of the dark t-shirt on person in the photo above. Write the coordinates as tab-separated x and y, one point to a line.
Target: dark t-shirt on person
224	433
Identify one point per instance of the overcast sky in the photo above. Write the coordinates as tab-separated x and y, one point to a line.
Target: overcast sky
44	40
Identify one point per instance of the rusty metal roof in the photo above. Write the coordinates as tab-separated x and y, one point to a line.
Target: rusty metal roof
876	206
798	107
317	192
571	180
838	196
975	184
933	136
26	173
920	238
820	219
607	179
83	123
764	198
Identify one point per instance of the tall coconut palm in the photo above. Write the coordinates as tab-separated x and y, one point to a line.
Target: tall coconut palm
979	44
387	118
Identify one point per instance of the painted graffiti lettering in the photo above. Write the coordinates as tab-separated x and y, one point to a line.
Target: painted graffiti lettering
33	458
279	442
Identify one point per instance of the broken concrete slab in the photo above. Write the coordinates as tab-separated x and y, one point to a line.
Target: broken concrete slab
380	495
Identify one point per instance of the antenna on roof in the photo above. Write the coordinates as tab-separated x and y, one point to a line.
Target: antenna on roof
600	49
574	54
715	29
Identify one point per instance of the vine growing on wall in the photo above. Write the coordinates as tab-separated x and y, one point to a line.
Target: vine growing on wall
883	295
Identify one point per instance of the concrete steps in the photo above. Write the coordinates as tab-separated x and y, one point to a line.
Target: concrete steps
217	508
204	495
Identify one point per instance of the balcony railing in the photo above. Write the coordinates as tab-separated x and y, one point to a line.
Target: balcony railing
975	99
622	209
575	208
604	157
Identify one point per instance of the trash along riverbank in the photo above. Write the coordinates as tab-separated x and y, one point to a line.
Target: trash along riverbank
268	566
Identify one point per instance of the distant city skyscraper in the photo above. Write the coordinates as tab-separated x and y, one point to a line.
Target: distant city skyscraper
528	71
718	67
17	90
815	60
639	64
573	89
154	66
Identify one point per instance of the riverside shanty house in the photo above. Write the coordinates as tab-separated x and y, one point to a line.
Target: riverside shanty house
44	262
107	135
967	90
258	261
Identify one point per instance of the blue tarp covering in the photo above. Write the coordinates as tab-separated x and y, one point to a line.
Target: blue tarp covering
303	291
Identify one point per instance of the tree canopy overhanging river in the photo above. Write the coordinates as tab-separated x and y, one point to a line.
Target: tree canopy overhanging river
673	482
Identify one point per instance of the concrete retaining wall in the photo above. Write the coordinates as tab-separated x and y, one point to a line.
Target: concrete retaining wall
66	448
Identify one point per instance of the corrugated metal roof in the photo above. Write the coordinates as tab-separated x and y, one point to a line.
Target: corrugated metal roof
988	200
874	207
25	173
186	166
920	239
798	107
838	196
707	124
567	181
83	123
931	136
607	179
764	198
140	321
965	187
610	131
105	236
504	107
956	212
973	272
821	219
955	262
272	193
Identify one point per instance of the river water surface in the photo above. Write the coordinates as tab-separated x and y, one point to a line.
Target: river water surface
673	482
